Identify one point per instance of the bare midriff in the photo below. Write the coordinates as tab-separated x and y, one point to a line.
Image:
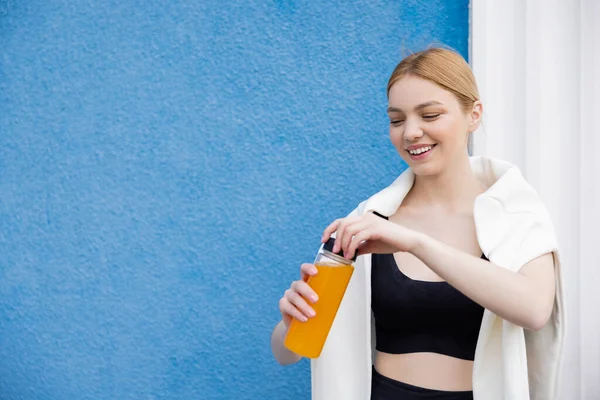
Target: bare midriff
427	370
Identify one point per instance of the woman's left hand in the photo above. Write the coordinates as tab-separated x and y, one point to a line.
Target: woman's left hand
370	234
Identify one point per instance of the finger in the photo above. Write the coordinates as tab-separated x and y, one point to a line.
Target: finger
307	270
339	231
300	303
350	231
340	234
287	308
329	230
357	240
305	291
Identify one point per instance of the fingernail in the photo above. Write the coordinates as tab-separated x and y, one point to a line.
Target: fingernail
303	319
311	313
314	298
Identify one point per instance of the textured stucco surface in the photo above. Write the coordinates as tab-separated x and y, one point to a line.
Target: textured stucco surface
165	166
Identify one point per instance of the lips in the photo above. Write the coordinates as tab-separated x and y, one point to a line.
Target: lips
419	152
415	151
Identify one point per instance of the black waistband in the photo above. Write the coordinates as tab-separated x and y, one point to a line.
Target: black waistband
384	388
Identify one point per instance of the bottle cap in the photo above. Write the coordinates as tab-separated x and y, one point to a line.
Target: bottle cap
329	247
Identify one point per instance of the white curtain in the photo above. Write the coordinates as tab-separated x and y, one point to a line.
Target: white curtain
538	66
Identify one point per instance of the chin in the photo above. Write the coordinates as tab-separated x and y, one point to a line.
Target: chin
426	169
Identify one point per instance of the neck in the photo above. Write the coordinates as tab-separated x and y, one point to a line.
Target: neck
454	189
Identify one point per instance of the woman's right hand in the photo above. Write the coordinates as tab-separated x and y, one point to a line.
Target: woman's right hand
295	301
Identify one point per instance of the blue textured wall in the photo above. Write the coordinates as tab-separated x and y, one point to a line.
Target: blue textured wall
165	166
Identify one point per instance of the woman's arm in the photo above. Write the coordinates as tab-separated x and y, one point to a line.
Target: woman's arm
281	353
525	298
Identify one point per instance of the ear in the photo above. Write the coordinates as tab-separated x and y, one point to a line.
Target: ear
475	116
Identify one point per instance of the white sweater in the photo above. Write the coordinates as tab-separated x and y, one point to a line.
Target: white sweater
513	227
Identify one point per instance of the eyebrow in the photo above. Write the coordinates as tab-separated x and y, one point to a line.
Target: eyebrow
419	107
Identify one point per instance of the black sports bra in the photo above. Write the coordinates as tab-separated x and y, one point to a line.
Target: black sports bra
414	316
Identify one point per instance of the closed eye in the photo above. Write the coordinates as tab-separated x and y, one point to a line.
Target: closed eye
396	122
430	117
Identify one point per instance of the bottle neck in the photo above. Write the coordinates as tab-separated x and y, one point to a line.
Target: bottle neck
338	259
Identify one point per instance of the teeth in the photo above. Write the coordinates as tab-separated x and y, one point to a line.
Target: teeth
419	150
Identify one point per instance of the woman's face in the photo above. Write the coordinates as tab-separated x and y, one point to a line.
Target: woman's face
427	125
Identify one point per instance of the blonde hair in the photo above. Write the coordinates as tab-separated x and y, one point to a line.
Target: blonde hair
443	67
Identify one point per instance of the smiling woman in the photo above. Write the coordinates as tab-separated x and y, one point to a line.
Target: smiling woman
437	90
460	273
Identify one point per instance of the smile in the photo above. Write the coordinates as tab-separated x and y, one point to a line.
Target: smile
420	150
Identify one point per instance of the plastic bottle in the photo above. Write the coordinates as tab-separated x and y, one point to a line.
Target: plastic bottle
330	283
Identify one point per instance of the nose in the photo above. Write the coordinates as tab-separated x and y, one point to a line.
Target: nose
412	130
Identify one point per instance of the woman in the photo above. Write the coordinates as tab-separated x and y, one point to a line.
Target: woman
457	283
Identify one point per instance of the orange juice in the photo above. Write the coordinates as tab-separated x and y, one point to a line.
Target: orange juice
307	338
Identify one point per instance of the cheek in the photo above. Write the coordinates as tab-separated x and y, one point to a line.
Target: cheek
397	138
447	131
